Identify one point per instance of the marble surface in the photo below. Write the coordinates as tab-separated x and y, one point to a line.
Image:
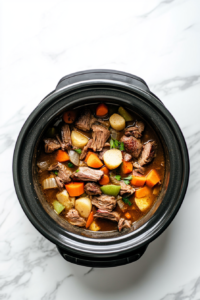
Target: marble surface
41	41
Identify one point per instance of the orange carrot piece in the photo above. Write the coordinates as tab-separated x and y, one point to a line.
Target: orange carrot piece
75	188
87	156
128	215
69	116
105	170
127	167
152	178
90	219
138	180
142	192
62	156
94	162
104	180
101	110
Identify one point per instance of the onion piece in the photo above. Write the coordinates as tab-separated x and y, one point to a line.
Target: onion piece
49	183
115	135
74	157
43	165
122	206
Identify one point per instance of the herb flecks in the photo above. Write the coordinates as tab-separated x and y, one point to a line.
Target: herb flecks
70	165
127	201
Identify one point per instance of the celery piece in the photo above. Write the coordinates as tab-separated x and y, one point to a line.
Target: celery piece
125	114
58	207
111	189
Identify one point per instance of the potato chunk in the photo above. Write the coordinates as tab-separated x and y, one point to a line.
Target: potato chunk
117	122
84	206
64	199
94	226
112	158
78	139
143	203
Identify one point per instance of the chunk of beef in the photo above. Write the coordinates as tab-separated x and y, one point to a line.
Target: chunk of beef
51	145
132	145
65	141
85	149
92	188
134	173
139	168
87	174
136	130
63	173
124	224
105	148
113	216
126	189
126	156
74	218
104	202
148	153
83	122
99	137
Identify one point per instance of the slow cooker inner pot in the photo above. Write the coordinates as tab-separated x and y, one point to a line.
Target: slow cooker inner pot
101	234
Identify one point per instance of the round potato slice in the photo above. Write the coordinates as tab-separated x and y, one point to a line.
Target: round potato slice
117	122
78	139
84	206
112	158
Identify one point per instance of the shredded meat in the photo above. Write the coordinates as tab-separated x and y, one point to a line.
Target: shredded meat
136	130
148	153
134	173
99	137
132	145
85	149
105	148
51	145
104	202
63	174
83	122
113	216
74	218
87	174
126	156
92	188
139	168
124	224
126	189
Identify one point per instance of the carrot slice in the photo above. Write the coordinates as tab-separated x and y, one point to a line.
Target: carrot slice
69	116
94	162
90	219
104	180
142	192
62	156
152	178
128	215
87	156
138	180
105	170
75	188
101	110
127	167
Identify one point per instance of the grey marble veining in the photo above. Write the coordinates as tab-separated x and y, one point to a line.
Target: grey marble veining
41	41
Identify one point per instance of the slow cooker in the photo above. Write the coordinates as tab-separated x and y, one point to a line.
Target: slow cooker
101	249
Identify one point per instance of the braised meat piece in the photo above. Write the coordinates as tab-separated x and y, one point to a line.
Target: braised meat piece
126	156
132	145
87	174
113	216
104	202
63	173
136	130
74	218
105	148
123	223
51	145
135	173
83	122
92	188
126	189
99	137
148	153
66	136
139	168
85	149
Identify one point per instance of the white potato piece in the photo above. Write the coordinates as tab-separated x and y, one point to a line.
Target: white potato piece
112	158
64	199
117	122
143	203
84	206
94	226
78	139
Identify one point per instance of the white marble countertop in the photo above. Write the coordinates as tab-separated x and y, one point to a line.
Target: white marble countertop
41	41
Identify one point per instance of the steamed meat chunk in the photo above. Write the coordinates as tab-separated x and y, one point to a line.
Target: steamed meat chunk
147	155
113	216
104	202
87	174
75	219
51	145
132	145
92	188
126	156
99	137
63	173
85	149
126	189
83	122
123	223
136	130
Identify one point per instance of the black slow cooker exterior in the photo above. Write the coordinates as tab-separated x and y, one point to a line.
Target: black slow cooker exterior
81	246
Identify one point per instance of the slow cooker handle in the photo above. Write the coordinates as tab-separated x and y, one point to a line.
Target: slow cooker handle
103	262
